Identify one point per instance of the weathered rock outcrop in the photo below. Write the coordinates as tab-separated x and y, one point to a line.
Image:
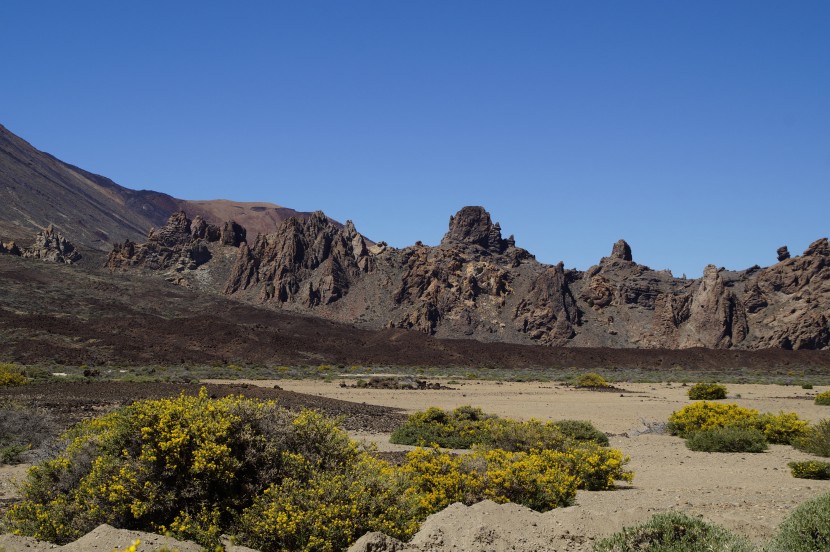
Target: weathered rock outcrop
10	248
477	284
311	262
50	245
179	245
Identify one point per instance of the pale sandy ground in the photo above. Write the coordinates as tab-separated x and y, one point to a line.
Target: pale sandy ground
749	493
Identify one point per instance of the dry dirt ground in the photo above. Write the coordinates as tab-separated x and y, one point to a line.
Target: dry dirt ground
749	493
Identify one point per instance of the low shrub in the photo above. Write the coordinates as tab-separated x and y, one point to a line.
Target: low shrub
823	398
806	385
591	379
810	469
702	415
192	466
674	532
26	433
782	428
806	529
727	439
707	392
332	509
582	431
460	428
11	375
815	440
466	427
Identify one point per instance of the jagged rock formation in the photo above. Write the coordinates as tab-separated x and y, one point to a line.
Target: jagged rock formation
476	283
179	245
50	245
310	262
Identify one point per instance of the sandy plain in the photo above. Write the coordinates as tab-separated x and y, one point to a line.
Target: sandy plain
748	493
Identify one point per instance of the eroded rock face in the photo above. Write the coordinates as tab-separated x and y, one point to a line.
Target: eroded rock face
472	225
476	284
311	262
179	245
716	319
50	245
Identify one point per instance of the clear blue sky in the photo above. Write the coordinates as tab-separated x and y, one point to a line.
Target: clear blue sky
698	131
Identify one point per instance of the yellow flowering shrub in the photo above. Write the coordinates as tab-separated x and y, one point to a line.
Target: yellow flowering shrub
11	375
706	415
539	479
781	428
591	380
187	466
332	509
823	398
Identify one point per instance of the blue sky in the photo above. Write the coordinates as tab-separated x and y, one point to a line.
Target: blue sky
697	131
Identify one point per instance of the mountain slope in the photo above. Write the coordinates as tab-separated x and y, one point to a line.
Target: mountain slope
37	189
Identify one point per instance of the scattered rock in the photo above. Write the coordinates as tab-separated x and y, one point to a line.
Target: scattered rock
50	245
10	248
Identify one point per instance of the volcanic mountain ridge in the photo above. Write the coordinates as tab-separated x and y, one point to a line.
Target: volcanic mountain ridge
38	190
477	284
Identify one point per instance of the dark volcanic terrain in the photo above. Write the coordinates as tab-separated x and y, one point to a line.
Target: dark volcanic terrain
66	315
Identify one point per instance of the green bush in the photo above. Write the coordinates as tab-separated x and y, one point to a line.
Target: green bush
591	379
810	469
806	529
816	439
466	426
460	428
582	430
707	392
11	375
674	532
727	439
823	398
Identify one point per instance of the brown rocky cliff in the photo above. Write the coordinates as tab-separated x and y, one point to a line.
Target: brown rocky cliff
478	284
311	262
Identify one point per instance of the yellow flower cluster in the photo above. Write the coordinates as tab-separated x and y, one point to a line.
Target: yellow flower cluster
706	415
823	398
11	375
195	468
332	509
781	428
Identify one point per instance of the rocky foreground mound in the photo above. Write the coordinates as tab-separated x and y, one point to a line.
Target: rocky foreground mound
478	284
